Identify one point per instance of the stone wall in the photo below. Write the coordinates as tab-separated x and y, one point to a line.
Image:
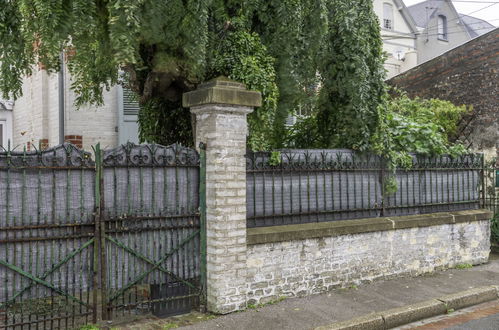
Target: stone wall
468	74
314	265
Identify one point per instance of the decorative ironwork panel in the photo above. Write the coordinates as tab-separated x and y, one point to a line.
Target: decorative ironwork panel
150	155
65	155
299	186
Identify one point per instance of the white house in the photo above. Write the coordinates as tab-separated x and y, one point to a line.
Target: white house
5	123
399	34
45	117
442	28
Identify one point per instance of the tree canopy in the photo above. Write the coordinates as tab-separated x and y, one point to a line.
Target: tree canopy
287	49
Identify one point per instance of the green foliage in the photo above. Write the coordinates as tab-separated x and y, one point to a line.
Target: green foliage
494	228
304	134
293	31
464	266
442	113
241	56
167	48
324	56
89	327
419	126
390	185
275	158
165	122
14	51
352	77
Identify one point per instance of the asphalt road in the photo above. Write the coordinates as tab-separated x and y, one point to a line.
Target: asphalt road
480	317
486	323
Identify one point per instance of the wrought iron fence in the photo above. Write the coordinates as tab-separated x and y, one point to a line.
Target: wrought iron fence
46	238
301	186
490	196
83	239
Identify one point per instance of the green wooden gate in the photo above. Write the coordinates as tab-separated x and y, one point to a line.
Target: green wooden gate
84	240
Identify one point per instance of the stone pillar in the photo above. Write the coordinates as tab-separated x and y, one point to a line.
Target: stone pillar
221	107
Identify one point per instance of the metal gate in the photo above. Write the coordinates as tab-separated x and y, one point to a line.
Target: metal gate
84	240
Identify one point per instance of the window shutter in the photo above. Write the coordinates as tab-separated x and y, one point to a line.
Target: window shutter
130	103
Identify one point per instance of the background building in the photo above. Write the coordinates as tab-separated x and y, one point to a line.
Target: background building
45	117
441	28
399	34
5	123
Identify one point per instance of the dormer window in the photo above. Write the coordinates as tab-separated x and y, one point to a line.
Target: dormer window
442	27
387	16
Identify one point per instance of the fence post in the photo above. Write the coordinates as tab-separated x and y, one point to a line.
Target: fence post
3	317
99	276
221	107
202	217
482	181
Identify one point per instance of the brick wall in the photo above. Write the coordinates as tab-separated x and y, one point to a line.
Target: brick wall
468	74
77	140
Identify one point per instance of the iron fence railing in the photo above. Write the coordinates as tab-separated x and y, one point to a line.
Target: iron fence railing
83	239
491	195
302	186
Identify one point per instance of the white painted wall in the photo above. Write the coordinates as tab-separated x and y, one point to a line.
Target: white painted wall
28	123
6	122
397	42
429	46
95	124
36	114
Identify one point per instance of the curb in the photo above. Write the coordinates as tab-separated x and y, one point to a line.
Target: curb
399	316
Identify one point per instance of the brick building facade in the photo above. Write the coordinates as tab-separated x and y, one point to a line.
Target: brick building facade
468	74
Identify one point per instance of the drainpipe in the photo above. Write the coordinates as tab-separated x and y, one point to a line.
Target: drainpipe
61	99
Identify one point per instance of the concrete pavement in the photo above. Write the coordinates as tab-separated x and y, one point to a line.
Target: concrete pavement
342	304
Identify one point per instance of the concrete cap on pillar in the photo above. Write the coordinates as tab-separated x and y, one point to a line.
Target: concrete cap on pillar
222	90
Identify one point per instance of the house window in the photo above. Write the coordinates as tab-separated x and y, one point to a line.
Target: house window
387	16
442	27
1	135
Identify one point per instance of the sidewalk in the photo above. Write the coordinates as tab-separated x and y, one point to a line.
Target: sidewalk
345	304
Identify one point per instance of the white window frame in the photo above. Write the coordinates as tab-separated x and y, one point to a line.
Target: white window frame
3	138
387	16
442	28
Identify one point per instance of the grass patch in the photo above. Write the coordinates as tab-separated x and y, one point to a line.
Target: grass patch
89	327
170	326
463	266
494	228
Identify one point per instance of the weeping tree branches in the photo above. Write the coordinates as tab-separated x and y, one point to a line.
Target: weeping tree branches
284	48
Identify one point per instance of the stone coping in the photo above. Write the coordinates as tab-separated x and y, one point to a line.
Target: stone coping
222	91
262	235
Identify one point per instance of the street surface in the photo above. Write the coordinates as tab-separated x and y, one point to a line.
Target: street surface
481	317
